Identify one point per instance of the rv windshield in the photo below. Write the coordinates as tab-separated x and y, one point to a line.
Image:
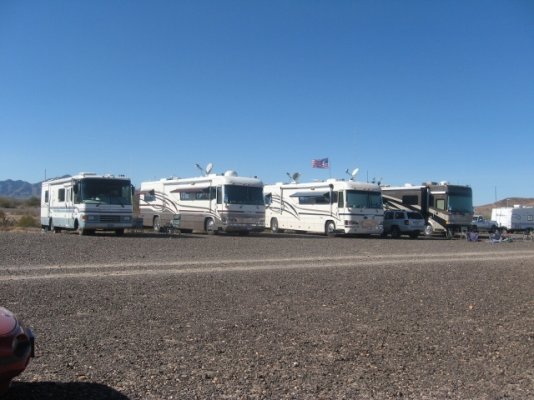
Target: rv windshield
235	194
104	191
363	199
460	203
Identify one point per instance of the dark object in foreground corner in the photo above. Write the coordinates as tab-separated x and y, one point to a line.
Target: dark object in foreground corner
16	348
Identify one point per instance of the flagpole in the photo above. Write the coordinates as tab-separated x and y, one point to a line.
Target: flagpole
329	168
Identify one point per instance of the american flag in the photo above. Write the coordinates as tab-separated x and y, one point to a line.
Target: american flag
320	163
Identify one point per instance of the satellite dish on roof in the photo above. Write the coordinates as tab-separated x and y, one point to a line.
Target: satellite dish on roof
294	177
205	171
353	173
231	173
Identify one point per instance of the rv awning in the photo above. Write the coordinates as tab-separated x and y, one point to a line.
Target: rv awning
313	193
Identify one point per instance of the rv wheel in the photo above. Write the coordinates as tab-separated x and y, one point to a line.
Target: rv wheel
53	229
274	226
429	230
156	224
209	226
330	229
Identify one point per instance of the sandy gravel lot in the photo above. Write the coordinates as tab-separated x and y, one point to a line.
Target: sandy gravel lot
271	317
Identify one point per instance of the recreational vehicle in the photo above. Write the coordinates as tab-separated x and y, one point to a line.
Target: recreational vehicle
210	203
87	202
329	207
446	208
516	218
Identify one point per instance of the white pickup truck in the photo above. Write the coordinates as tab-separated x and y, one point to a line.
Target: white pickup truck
483	224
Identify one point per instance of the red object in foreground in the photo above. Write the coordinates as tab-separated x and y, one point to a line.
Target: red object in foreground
16	348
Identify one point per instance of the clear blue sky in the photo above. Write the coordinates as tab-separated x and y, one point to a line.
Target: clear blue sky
408	91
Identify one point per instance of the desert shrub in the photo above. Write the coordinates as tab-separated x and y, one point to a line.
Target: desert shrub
6	202
27	221
33	202
4	220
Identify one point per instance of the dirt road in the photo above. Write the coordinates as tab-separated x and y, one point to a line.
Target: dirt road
300	317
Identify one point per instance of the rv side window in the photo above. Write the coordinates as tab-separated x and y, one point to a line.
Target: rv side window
150	196
334	197
440	204
340	200
219	195
46	198
61	195
410	200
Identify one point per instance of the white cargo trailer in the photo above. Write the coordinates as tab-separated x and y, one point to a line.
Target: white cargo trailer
517	218
87	202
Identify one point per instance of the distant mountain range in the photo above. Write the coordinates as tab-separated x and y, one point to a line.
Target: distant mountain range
19	189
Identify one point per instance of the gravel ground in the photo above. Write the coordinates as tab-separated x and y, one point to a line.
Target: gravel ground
148	316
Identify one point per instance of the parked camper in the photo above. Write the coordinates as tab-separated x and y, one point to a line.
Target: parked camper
210	203
446	208
329	207
516	218
87	202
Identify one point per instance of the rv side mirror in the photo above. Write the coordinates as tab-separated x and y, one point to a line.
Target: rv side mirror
75	188
152	192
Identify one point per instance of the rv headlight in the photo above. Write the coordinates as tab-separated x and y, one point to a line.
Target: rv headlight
89	217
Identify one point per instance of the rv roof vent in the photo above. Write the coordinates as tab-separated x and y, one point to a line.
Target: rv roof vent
230	173
444	183
408	185
87	173
330	180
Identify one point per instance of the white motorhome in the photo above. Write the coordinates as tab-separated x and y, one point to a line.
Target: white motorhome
516	218
87	202
329	207
210	203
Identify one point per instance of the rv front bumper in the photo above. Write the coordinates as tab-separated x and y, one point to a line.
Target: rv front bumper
106	222
243	228
243	224
366	228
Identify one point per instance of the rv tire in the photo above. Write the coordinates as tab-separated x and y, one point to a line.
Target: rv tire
209	226
53	229
330	228
119	232
156	224
274	226
429	230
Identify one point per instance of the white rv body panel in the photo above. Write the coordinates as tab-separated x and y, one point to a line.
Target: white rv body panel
210	203
313	207
87	202
514	218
